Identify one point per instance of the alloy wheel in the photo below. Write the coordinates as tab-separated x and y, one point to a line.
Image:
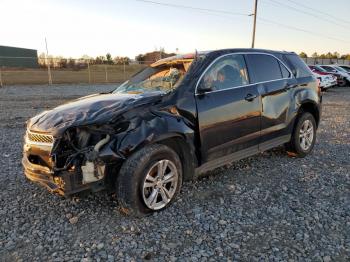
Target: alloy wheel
306	135
160	184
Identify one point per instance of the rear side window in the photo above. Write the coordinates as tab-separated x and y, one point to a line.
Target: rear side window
300	69
263	68
284	70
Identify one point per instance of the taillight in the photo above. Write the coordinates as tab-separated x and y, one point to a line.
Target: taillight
319	91
318	82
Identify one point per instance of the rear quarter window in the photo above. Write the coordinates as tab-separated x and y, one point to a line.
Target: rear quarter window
284	70
263	68
300	69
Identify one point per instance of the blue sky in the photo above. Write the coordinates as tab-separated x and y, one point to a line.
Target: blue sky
130	27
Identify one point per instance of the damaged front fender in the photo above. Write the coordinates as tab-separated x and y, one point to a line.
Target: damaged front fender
94	153
157	126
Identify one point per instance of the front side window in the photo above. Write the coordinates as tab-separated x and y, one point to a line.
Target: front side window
227	72
264	68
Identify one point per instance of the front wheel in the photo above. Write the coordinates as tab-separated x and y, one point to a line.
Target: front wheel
303	136
149	180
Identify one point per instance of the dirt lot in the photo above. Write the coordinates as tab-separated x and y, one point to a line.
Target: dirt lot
268	207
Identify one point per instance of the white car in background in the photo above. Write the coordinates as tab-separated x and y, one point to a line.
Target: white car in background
339	70
346	68
326	81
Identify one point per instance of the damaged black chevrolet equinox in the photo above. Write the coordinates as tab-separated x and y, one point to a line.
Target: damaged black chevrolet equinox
176	119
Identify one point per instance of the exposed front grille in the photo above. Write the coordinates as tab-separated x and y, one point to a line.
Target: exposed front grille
39	138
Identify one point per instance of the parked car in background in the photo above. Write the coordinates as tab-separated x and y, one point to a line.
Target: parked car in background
335	69
340	79
319	70
345	67
178	118
326	80
340	69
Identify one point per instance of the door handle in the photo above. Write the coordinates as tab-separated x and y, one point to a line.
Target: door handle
250	97
288	86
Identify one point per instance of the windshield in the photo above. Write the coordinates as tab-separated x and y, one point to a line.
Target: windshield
159	77
340	69
328	68
318	68
346	68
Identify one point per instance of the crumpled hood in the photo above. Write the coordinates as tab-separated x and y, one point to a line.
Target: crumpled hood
93	109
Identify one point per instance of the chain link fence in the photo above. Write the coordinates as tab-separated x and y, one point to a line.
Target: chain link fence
14	70
325	61
66	71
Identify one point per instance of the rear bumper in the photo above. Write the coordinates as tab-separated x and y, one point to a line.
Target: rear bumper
328	84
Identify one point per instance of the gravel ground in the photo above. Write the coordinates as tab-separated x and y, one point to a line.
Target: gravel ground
267	207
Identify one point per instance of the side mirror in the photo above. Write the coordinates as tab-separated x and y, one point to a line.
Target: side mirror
203	88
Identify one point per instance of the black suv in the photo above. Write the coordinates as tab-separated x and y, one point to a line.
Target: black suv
176	119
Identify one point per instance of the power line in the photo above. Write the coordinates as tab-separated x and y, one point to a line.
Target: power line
319	11
193	8
302	30
241	14
308	13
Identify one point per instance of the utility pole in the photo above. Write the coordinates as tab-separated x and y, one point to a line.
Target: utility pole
88	64
48	64
1	85
254	25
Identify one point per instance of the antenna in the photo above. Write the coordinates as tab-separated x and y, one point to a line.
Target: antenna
48	63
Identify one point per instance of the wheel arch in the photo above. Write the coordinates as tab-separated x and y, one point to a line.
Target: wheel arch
312	108
161	127
185	153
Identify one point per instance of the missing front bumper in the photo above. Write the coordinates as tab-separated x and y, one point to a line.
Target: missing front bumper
66	184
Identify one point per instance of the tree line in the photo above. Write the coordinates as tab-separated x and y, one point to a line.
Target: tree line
85	61
329	55
81	63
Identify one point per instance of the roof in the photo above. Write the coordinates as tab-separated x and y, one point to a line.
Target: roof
250	50
191	56
14	47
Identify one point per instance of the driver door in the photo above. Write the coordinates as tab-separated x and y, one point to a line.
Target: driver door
228	115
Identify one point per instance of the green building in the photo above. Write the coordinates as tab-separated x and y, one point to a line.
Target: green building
18	57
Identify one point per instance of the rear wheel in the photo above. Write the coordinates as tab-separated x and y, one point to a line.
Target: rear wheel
342	83
303	136
149	180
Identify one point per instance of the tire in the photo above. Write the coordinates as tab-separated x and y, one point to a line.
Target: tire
342	83
141	170
301	145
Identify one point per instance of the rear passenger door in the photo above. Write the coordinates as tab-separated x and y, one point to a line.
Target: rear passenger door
274	81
